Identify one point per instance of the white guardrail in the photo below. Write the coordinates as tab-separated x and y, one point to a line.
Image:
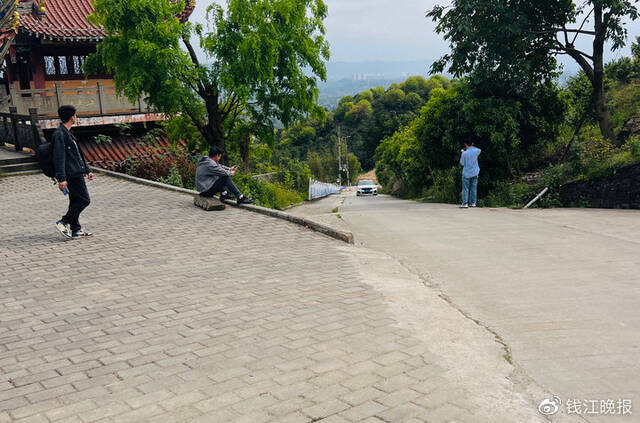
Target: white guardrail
319	189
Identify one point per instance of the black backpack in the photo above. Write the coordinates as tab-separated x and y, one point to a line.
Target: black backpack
45	157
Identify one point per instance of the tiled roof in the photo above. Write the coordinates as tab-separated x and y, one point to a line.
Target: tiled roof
8	25
111	155
64	20
67	20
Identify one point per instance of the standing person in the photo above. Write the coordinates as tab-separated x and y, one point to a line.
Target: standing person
470	172
213	178
71	168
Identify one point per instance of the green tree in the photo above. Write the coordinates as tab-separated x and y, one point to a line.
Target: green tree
517	40
513	134
265	57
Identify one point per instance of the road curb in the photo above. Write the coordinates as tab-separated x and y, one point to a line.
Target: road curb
318	227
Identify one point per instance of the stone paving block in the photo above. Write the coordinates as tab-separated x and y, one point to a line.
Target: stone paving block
362	395
252	417
276	326
183	400
104	411
19	392
294	418
395	369
256	403
398	397
38	408
34	419
446	413
437	398
46	394
325	409
70	410
395	383
362	411
73	419
289	406
401	413
144	413
210	417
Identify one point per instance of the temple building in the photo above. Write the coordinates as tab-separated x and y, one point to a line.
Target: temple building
43	66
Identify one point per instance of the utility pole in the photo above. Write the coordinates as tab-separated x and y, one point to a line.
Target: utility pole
339	158
346	157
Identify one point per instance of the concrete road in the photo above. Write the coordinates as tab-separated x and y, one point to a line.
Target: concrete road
560	288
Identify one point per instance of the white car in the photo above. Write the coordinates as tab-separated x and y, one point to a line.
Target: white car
367	187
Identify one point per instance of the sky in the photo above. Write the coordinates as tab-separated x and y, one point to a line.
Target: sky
374	30
388	30
382	30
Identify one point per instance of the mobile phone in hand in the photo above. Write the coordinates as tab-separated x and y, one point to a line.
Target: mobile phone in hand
66	191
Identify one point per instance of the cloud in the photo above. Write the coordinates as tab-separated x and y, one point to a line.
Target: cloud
382	30
389	30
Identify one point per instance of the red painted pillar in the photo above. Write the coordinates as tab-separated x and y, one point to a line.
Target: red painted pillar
11	65
37	67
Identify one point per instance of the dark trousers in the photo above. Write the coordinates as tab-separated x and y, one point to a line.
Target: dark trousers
224	182
78	201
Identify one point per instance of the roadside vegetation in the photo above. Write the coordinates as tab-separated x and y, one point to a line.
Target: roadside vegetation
262	108
546	136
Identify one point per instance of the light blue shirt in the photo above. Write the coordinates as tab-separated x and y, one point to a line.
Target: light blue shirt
469	162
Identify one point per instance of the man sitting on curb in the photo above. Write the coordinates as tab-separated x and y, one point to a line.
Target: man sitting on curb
213	178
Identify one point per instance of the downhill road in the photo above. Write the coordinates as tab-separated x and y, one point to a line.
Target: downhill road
561	287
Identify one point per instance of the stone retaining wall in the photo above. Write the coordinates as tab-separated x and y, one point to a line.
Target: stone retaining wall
618	191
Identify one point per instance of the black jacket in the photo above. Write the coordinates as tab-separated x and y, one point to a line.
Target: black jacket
68	160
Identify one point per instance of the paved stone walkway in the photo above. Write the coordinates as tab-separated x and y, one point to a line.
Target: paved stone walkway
174	314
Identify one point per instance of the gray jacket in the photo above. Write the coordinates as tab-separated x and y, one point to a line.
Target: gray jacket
208	172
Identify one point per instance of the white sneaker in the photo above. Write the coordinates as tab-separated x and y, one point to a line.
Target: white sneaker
64	229
473	205
464	206
81	234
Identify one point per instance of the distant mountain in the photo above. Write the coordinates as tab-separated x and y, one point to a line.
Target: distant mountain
350	78
332	91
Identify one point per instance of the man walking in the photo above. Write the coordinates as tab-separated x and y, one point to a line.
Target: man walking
71	168
470	172
213	178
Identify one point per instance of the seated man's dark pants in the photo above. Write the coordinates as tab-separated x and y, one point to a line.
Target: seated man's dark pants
223	183
78	201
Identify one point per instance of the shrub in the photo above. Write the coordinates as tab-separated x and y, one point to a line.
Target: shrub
151	168
509	194
173	178
446	187
266	194
186	168
294	175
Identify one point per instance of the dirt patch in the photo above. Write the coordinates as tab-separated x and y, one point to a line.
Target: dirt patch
371	175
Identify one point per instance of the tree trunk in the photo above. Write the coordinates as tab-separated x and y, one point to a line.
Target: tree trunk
599	100
245	148
603	115
215	131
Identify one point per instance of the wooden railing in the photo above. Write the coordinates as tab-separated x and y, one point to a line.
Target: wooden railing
21	130
96	100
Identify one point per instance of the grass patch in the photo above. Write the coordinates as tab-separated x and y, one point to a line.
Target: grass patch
267	194
335	210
